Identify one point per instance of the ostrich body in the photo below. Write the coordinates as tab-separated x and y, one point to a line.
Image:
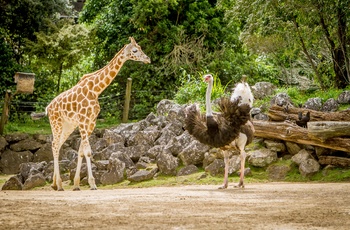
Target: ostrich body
223	130
246	134
220	129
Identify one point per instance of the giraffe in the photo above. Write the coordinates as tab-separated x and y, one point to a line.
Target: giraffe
79	107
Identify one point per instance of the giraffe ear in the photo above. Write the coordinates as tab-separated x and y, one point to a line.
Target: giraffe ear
132	40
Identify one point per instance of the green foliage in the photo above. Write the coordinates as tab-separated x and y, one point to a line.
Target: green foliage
193	89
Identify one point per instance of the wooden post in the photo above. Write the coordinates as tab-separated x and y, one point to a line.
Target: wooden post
127	101
5	111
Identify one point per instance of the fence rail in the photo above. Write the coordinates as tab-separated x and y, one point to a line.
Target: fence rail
110	104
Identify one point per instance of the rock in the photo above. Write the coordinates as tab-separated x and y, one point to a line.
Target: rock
26	144
115	173
309	168
105	154
14	183
193	153
165	137
44	153
344	98
234	164
145	137
142	175
26	169
262	157
187	170
167	163
3	143
124	157
112	137
278	172
331	105
11	160
301	156
179	143
292	148
98	145
313	103
34	180
276	146
281	99
262	89
164	106
135	152
153	152
102	165
10	138
217	167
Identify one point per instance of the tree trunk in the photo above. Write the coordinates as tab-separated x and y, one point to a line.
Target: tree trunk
278	113
289	131
327	129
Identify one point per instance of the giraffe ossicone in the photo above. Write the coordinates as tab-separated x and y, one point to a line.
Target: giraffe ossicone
79	107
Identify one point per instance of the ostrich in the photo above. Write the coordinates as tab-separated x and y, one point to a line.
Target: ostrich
246	134
223	130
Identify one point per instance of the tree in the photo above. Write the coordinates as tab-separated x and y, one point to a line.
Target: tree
303	25
61	47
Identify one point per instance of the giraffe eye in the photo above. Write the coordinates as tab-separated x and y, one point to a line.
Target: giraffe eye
134	51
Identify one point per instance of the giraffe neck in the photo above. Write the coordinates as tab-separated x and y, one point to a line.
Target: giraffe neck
102	78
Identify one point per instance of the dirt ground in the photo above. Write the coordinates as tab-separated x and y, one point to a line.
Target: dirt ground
258	206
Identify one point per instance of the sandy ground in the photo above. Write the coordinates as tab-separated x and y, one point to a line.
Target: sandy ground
258	206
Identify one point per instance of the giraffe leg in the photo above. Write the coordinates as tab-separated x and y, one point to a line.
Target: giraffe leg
76	186
226	159
85	150
60	133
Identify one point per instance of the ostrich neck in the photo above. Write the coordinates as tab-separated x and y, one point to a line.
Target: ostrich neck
208	110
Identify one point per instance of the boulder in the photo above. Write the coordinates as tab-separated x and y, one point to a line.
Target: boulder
34	180
292	148
115	173
167	163
187	170
217	167
331	105
344	98
10	138
276	146
11	160
278	172
281	99
143	175
14	183
44	153
263	89
309	167
193	153
313	103
26	144
262	157
301	156
3	144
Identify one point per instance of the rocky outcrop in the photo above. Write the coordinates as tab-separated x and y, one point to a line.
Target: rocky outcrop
141	150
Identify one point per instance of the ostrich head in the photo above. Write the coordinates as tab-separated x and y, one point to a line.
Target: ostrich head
208	78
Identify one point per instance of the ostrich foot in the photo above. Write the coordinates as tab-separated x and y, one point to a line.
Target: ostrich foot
224	186
240	185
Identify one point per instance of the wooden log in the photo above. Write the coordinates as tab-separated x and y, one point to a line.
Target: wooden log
289	131
5	111
278	113
323	130
333	160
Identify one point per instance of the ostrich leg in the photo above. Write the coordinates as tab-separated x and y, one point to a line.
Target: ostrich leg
226	159
240	143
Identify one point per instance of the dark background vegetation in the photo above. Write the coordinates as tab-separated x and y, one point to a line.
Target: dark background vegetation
275	41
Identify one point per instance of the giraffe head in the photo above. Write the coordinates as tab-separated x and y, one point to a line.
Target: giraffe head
134	52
